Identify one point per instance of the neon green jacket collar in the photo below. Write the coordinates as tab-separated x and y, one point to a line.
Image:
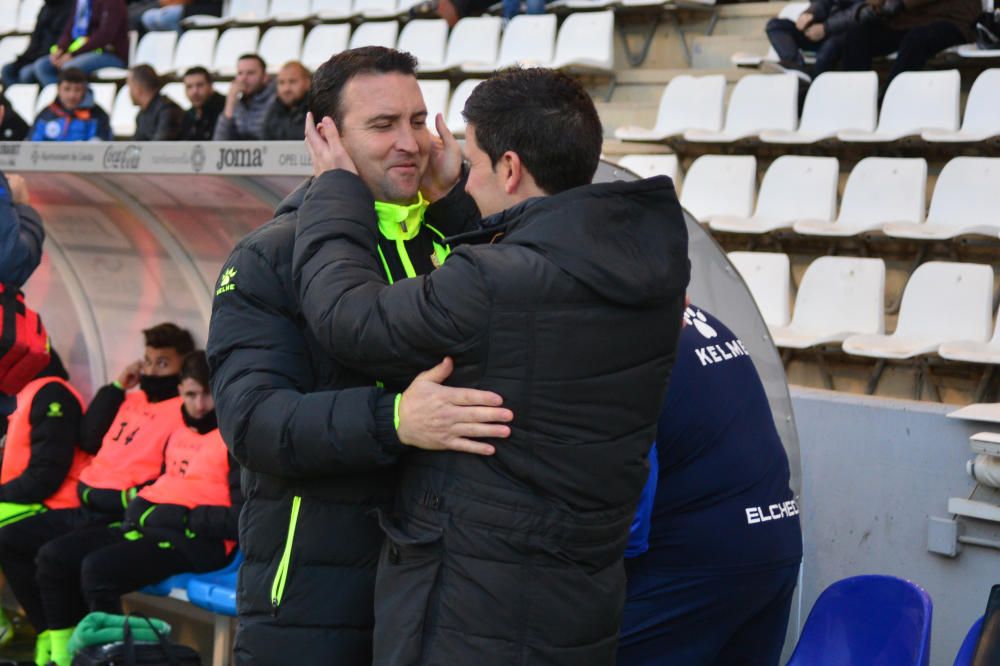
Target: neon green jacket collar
398	222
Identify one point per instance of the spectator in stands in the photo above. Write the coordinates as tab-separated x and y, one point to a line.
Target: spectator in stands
512	8
186	520
159	117
95	36
544	523
12	125
198	123
820	29
915	30
286	119
338	434
21	232
71	117
724	542
153	15
250	95
52	17
38	482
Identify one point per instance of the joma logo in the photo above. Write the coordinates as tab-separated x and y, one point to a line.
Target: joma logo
239	158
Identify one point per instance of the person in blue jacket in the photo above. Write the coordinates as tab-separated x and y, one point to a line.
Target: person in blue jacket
73	116
21	232
716	542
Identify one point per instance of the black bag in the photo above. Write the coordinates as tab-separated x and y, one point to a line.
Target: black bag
128	652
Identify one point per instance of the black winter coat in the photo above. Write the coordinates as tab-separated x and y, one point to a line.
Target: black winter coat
572	315
160	121
49	24
283	123
318	456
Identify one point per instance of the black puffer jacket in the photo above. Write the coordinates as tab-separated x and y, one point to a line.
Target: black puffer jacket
318	458
573	317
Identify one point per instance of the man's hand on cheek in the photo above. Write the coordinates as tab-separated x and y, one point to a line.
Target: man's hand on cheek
444	166
442	418
325	147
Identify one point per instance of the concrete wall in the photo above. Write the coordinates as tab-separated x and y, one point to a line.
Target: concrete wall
874	470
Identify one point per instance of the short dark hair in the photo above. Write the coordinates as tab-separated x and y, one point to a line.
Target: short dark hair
169	336
72	75
332	76
254	56
198	70
544	116
146	77
195	366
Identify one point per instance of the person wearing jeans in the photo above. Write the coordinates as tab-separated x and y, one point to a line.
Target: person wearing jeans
163	18
94	36
512	8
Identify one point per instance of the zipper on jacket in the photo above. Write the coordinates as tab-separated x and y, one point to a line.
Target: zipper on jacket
281	575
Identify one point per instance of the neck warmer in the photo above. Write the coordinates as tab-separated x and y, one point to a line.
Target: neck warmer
158	389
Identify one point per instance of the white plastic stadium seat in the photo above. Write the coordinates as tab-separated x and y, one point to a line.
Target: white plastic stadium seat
123	115
435	94
528	40
794	188
586	42
175	91
983	411
688	102
879	191
288	11
155	49
104	95
279	45
324	41
233	43
942	302
474	41
426	40
759	102
13	46
837	298
981	120
332	10
222	87
375	33
8	18
836	101
22	97
973	352
914	102
194	48
718	185
647	166
455	121
27	14
46	96
239	11
769	277
964	202
791	12
375	9
973	51
580	5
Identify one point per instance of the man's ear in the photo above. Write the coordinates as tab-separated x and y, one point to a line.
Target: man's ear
513	171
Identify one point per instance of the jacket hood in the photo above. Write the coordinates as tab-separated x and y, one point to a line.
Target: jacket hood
625	240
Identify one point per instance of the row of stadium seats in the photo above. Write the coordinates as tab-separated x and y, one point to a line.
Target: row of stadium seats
18	16
882	195
474	45
946	309
839	106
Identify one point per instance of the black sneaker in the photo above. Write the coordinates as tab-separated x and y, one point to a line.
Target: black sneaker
796	69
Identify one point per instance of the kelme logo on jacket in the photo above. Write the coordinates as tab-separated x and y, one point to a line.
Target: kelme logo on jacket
55	410
226	282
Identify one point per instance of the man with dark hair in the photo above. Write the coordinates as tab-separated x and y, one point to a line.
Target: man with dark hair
198	123
71	117
569	307
159	117
95	35
249	97
318	441
286	119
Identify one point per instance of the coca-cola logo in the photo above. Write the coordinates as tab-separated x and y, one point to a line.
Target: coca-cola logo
125	158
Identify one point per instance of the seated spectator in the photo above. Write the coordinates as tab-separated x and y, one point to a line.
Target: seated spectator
94	36
168	14
70	117
915	30
250	95
38	479
512	8
286	119
714	581
186	520
198	123
820	29
12	125
52	17
21	232
159	117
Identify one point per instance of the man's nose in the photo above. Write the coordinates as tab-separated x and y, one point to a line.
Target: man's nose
406	140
